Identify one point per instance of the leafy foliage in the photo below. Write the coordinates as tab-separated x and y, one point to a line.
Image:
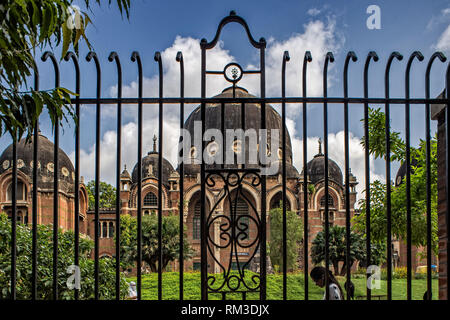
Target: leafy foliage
107	196
45	264
28	25
337	248
150	252
294	236
377	137
378	218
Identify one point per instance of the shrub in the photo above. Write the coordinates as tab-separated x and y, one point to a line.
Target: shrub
45	264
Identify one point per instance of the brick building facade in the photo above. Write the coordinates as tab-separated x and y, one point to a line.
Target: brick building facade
438	113
248	202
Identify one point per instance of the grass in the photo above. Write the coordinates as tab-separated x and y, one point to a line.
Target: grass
295	287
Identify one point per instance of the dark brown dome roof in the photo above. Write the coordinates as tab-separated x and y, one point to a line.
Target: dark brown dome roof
233	121
316	169
401	173
150	168
45	163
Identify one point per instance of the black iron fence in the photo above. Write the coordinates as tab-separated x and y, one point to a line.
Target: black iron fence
232	177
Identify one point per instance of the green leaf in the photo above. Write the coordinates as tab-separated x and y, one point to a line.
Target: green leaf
67	38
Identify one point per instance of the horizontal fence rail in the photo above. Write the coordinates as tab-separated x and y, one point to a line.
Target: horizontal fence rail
261	217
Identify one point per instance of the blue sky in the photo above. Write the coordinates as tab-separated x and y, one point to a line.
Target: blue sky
319	26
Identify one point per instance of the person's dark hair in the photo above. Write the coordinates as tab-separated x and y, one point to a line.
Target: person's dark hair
318	273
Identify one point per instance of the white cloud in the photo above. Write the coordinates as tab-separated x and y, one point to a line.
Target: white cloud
336	150
313	12
436	20
443	43
190	47
108	147
318	37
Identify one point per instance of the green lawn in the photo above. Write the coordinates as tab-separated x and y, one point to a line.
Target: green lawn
295	287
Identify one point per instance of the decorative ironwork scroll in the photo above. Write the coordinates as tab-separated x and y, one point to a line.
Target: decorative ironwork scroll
235	230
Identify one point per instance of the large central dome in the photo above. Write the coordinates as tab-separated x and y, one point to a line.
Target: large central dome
233	120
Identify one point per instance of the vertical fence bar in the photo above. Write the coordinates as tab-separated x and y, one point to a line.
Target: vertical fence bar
71	55
160	171
442	58
45	56
419	56
222	128
350	55
263	235
329	58
35	201
447	186
388	173
203	253
113	56
14	219
92	55
136	58
372	55
307	58
243	147
179	58
286	58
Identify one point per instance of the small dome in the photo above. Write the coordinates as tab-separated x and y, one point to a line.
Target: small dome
45	163
150	167
316	169
125	174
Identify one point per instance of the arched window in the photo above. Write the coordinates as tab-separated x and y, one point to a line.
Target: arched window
150	200
24	218
111	230
330	217
19	216
277	200
196	221
104	230
21	194
330	201
243	223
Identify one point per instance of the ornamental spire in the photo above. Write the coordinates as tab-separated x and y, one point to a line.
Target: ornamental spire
154	143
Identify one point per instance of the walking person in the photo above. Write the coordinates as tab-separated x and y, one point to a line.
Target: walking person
335	291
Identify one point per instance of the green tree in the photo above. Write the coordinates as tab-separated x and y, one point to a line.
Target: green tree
27	25
107	197
294	236
45	264
337	249
378	225
150	252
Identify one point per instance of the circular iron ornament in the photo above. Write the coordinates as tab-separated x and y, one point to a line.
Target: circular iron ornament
233	72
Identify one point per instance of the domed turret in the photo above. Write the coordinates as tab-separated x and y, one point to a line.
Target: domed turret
233	120
316	168
45	163
150	167
125	174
